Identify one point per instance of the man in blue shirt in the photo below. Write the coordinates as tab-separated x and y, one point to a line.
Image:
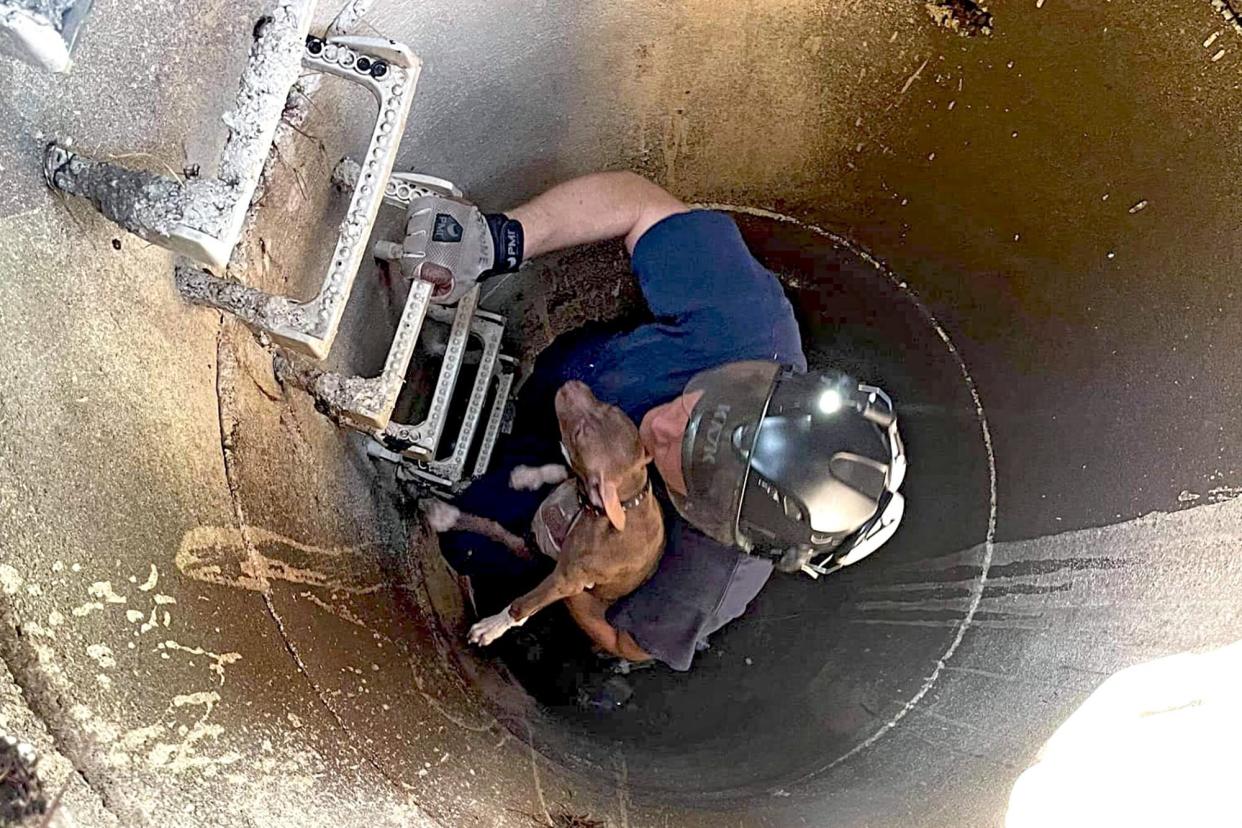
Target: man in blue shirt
721	358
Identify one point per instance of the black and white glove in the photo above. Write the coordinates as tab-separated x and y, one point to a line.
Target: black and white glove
453	245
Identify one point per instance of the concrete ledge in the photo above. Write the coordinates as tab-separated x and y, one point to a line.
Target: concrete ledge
79	803
42	32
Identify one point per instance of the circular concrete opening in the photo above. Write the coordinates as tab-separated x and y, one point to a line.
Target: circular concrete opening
803	679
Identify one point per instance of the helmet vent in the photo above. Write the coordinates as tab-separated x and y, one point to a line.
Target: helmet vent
862	474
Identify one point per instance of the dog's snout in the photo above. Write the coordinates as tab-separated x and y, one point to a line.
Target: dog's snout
574	397
575	390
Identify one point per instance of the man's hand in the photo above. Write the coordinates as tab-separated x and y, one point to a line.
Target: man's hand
452	245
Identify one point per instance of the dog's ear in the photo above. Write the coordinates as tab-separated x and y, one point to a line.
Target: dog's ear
605	493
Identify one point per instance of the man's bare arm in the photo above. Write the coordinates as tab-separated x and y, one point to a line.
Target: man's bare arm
588	612
593	208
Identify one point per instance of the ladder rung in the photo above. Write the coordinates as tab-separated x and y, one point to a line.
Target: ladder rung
366	403
491	432
422	440
311	327
453	468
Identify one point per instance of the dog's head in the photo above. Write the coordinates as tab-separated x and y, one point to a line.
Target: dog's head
602	446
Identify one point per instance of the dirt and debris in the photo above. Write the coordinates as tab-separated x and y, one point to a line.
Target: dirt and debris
333	394
563	819
158	207
966	17
21	792
1227	9
253	306
910	80
566	820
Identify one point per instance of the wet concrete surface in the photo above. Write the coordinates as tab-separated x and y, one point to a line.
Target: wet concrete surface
1100	353
312	661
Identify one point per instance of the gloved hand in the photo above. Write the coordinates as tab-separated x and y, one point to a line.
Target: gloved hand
454	246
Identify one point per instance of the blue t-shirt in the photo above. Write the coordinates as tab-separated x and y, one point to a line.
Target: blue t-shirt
712	303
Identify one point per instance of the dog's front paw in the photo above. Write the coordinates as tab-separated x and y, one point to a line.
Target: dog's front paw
440	515
489	629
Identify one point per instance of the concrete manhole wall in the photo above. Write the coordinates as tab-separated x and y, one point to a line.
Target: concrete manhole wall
215	612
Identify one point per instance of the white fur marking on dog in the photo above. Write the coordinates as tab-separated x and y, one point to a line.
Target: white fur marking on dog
530	478
494	626
442	516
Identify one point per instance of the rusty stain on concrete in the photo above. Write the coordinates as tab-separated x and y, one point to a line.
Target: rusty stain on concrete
220	555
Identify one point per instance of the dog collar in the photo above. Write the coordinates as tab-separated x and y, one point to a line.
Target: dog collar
587	506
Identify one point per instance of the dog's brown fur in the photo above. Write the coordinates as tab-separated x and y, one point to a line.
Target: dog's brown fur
610	551
613	553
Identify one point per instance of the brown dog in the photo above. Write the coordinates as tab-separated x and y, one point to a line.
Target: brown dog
613	535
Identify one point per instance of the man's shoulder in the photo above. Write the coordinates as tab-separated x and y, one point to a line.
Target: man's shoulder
696	261
679	225
708	290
